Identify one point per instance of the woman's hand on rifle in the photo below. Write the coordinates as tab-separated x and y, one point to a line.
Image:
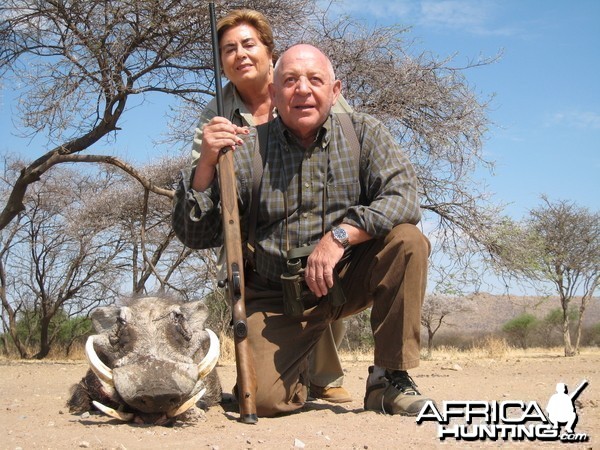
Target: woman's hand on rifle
217	134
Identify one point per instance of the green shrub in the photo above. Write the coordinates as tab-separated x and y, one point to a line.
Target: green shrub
520	329
63	332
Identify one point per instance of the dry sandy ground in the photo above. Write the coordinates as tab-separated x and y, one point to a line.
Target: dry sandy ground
33	415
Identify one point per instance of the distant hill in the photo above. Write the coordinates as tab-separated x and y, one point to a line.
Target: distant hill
487	312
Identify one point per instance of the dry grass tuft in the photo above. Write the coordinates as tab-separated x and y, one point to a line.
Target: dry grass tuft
495	347
227	349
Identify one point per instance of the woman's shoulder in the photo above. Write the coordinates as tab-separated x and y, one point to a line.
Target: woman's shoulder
229	103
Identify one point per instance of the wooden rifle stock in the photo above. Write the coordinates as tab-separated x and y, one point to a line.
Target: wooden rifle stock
244	361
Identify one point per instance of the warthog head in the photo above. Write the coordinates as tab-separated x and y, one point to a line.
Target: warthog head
150	361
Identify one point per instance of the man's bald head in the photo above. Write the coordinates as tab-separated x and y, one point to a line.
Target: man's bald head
304	89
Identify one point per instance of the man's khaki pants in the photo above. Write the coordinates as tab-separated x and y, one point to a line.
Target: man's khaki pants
325	367
388	274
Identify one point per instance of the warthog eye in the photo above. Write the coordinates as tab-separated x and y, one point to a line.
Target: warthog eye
121	335
181	325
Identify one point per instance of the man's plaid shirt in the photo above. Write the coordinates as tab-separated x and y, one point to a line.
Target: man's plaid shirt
383	195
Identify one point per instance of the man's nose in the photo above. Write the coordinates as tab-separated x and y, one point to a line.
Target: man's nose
303	86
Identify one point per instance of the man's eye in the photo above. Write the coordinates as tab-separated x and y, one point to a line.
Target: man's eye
316	81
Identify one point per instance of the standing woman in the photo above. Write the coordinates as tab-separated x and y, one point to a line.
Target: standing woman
247	51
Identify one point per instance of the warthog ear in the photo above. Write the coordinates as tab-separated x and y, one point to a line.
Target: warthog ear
104	318
195	313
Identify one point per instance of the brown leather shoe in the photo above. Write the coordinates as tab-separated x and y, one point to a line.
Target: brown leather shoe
332	394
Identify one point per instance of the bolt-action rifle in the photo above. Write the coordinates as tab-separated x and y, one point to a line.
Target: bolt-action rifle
244	361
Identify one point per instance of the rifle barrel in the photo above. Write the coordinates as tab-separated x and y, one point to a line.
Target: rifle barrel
216	59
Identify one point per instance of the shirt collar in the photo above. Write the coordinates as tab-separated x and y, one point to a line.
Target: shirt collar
323	135
240	107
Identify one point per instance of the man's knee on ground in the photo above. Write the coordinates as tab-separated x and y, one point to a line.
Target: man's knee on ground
275	401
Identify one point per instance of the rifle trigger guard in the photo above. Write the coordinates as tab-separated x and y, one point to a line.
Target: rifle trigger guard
235	280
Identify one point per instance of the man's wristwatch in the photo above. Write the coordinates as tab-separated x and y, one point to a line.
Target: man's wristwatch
340	235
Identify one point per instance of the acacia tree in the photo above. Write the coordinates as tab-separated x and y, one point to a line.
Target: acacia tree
157	261
557	244
436	311
11	307
520	328
61	265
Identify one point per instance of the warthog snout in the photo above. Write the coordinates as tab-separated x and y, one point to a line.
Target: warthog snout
158	386
152	403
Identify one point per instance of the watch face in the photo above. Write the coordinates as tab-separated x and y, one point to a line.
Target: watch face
340	235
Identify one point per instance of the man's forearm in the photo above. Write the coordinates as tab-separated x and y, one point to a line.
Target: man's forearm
356	235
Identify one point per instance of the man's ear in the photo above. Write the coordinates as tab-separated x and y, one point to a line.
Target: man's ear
337	90
271	87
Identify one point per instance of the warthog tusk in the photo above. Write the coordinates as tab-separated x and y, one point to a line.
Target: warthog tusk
98	367
212	356
125	417
187	405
